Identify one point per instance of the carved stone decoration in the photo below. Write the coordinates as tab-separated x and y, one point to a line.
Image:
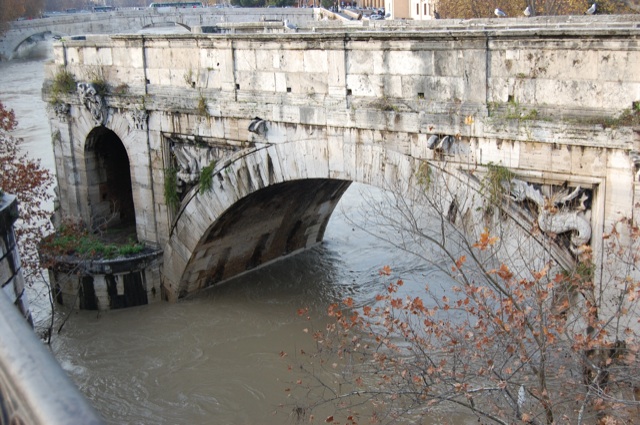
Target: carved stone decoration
558	212
138	119
190	161
191	156
443	143
93	101
258	126
61	110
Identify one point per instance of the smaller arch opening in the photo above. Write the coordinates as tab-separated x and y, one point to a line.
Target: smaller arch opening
109	189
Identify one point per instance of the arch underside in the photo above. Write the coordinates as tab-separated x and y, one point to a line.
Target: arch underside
165	23
268	224
277	200
35	37
54	32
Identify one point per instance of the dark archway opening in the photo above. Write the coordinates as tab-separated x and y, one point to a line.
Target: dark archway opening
109	187
264	226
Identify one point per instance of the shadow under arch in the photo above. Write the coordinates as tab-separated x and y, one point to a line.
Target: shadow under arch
276	200
163	23
35	38
109	190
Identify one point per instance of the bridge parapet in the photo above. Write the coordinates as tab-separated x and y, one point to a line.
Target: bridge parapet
547	74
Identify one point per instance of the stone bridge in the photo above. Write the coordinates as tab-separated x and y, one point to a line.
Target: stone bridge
228	151
130	20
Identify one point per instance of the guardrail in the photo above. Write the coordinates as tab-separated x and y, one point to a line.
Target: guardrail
33	387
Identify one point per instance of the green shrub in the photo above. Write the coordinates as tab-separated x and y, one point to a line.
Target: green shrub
63	83
73	239
206	177
171	188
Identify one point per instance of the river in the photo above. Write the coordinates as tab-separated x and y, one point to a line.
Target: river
213	358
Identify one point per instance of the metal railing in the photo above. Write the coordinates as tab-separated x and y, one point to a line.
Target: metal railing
33	387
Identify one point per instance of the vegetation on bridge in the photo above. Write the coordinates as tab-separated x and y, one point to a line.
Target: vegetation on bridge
72	239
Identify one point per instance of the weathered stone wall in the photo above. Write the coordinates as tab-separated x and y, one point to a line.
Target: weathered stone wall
540	101
108	284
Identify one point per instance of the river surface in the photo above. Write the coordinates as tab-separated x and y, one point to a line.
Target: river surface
213	358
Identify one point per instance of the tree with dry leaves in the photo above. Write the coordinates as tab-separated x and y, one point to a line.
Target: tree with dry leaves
467	9
30	183
520	340
10	10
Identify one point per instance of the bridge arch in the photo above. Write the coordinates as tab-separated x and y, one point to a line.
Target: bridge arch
94	142
277	200
165	22
108	176
34	36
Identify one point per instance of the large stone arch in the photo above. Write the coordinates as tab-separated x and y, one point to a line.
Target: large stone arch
13	40
26	38
194	258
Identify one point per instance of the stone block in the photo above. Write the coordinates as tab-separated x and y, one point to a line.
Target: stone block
97	57
619	194
281	85
292	163
155	57
361	85
335	151
448	63
336	70
619	94
409	62
258	81
315	61
313	116
364	62
245	60
588	162
127	58
286	113
566	93
316	156
73	55
102	294
618	66
560	159
393	86
272	164
308	84
292	61
500	153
